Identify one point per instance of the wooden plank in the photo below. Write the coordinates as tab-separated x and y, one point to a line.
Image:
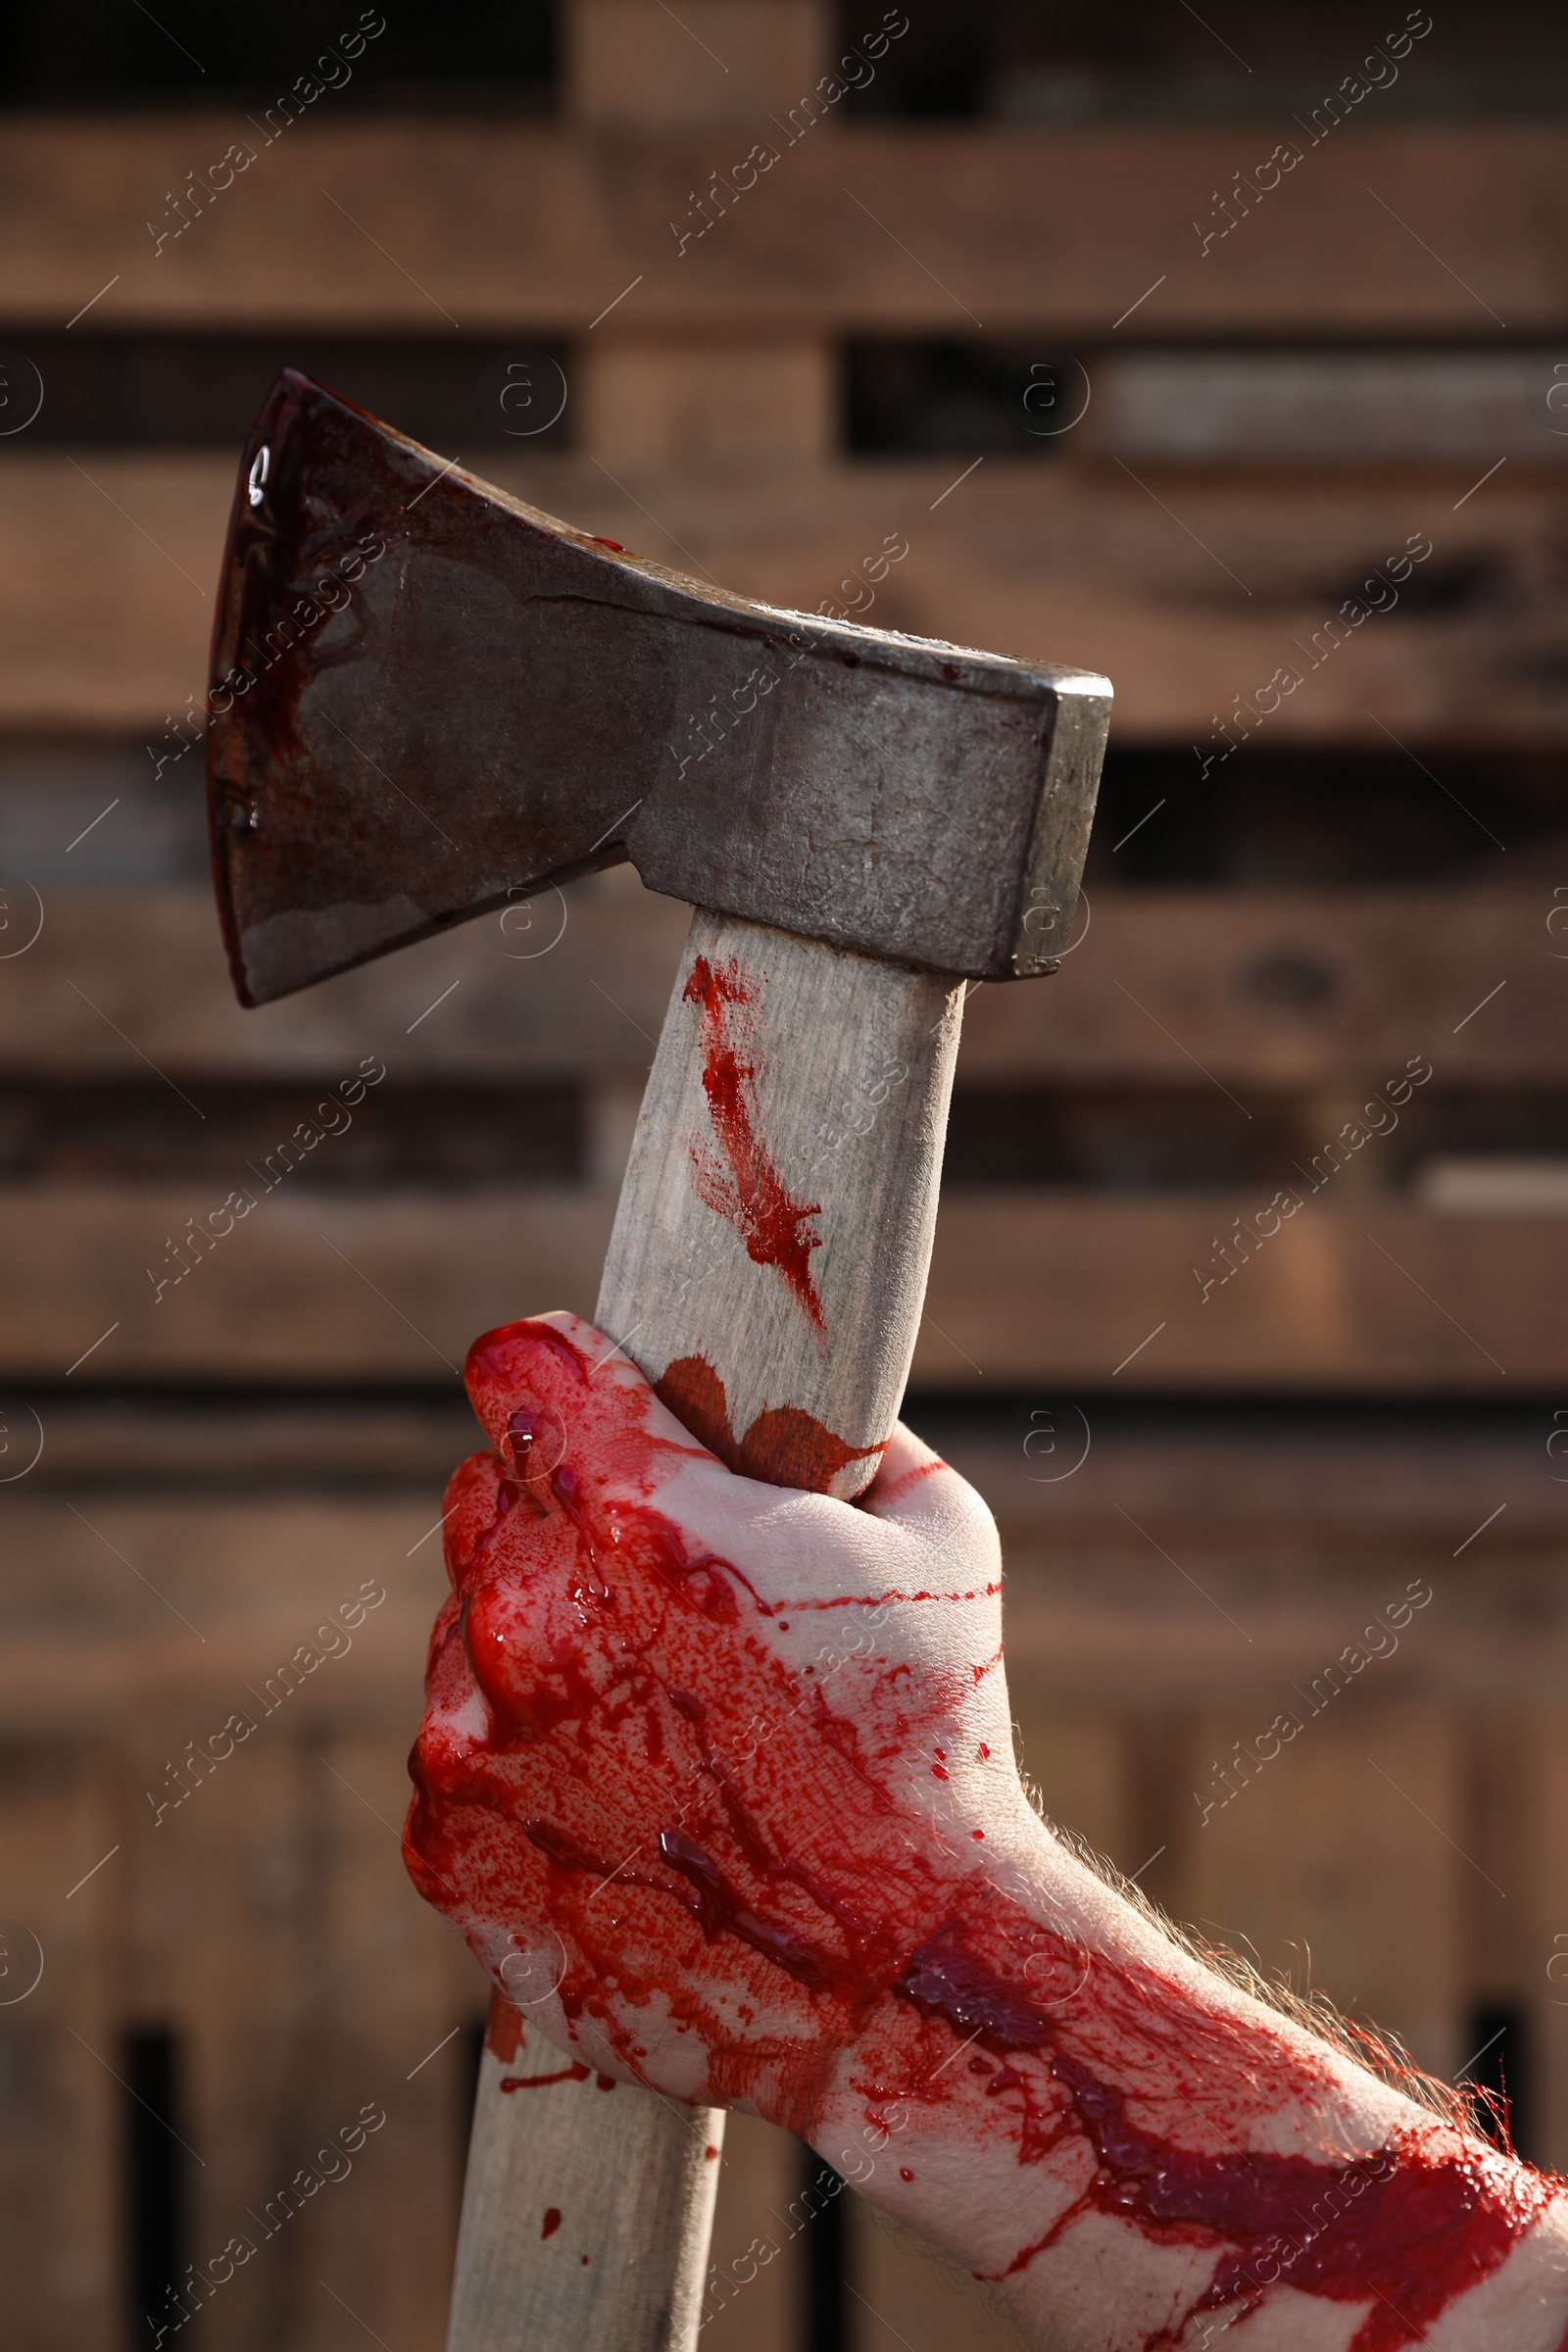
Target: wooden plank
1339	1857
393	1981
390	1287
1396	971
1165	974
1074	562
150	964
1089	1290
1026	1287
559	223
1075	1759
60	2155
214	1953
176	1605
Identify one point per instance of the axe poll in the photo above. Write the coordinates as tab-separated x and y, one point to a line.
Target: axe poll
428	699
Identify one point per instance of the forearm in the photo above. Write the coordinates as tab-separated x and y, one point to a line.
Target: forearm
1138	2156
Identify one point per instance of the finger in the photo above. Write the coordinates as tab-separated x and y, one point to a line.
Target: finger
555	1394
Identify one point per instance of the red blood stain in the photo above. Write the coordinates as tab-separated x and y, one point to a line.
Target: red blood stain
1406	2230
775	1910
740	1183
576	2071
904	2173
783	1447
711	2155
552	2221
503	2028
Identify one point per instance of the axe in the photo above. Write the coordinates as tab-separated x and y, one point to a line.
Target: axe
428	699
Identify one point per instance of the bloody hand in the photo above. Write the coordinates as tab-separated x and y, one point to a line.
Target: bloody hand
717	1778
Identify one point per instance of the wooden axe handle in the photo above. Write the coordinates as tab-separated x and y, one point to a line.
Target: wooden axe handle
767	1271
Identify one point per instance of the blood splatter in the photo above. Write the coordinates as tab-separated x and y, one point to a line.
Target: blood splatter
727	1852
552	2221
784	1447
739	1182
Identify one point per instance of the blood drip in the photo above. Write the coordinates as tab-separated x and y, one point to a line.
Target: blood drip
740	1183
726	1855
552	2221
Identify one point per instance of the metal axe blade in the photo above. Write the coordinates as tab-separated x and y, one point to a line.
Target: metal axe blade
427	698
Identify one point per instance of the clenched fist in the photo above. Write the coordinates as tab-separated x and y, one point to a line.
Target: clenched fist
723	1773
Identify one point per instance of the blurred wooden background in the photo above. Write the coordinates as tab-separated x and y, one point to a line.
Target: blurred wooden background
1208	1496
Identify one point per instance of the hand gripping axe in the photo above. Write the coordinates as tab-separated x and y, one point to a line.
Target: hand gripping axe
428	699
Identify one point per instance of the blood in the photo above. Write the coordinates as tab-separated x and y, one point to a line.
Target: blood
1404	2229
552	2221
784	1447
576	2071
725	1849
741	1183
503	2028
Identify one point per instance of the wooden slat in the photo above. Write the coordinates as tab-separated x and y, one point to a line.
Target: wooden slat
150	964
59	2154
174	1605
1165	974
1030	1288
214	1954
1076	1759
1158	977
1025	1287
391	1288
1074	561
556	223
393	1981
1324	1862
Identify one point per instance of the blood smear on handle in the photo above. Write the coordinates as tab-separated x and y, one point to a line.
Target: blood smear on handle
740	1183
784	1447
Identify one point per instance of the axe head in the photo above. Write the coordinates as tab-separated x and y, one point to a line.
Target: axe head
428	698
